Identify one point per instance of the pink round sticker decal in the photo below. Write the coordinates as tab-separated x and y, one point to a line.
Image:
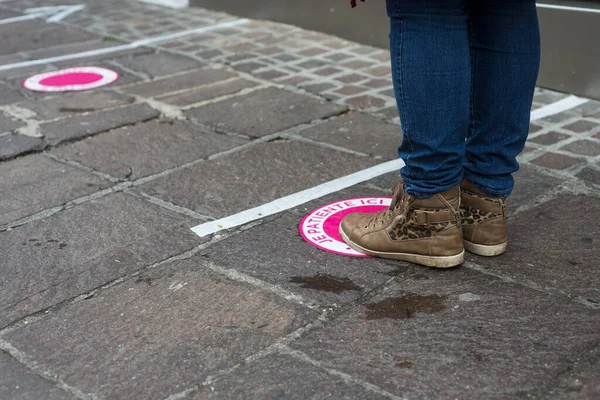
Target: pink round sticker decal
321	226
71	79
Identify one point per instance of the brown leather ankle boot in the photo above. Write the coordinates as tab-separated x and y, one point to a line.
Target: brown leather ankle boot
483	221
424	231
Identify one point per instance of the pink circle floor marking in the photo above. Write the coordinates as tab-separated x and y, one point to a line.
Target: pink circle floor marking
320	227
71	79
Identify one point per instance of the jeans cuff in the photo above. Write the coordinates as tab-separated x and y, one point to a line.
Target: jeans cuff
501	194
423	195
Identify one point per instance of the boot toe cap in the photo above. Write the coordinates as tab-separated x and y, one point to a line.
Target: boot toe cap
351	222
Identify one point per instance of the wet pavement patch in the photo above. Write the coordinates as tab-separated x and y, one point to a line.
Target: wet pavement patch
327	283
405	306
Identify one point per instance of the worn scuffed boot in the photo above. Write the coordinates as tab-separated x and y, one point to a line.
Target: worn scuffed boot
483	221
424	231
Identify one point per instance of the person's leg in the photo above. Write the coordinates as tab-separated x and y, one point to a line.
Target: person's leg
432	80
505	48
505	55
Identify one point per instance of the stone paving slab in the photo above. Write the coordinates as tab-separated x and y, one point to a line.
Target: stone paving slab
159	64
158	334
31	35
136	151
253	176
14	145
590	175
8	124
9	95
92	123
55	50
106	59
275	252
18	382
558	161
456	334
584	386
208	92
179	82
530	184
71	48
70	104
360	132
269	378
80	249
560	252
34	183
263	112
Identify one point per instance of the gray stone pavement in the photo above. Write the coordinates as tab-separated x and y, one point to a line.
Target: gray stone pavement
105	292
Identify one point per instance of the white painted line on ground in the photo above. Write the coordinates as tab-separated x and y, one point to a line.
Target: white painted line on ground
168	3
557	107
18	19
58	13
54	14
299	198
568	8
136	44
296	199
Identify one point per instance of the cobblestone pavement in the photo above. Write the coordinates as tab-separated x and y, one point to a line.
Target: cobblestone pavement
105	292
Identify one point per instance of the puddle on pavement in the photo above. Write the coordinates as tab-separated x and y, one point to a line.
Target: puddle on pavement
405	306
326	283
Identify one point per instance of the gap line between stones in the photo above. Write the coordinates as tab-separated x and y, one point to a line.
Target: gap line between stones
346	378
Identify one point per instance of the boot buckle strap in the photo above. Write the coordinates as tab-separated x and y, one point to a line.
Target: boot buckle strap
421	217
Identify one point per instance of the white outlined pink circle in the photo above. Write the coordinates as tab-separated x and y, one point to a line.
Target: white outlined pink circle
71	79
320	227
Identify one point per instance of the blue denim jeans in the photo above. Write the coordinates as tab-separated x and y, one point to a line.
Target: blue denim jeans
464	73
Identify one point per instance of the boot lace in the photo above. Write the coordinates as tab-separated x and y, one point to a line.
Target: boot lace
383	217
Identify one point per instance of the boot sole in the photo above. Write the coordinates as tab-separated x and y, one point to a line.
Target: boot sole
485	250
429	261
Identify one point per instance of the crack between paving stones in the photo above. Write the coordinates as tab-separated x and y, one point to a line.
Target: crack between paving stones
24	153
49	146
280	346
42	371
279	291
77	273
47	213
170	206
80	138
83	167
532	285
95	291
345	377
119	187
